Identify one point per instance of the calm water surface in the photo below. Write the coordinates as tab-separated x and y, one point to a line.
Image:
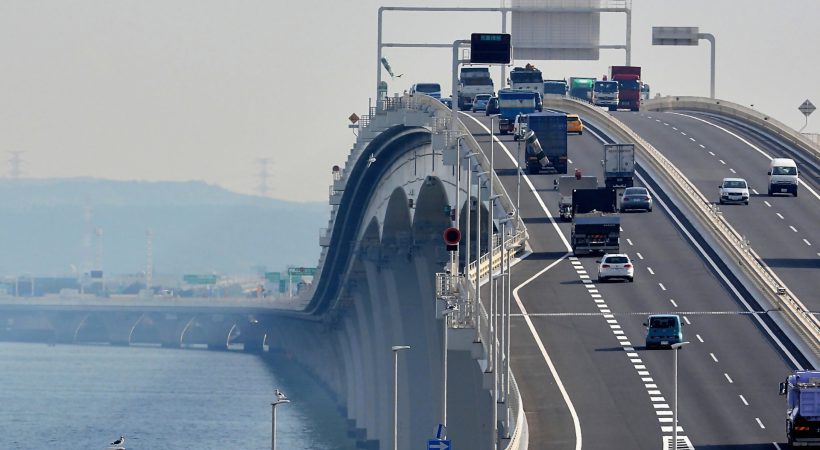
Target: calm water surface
83	397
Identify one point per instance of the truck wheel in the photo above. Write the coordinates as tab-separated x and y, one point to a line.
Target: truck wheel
580	133
612	108
631	279
795	192
770	192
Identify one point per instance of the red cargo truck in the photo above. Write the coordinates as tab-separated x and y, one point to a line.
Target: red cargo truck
629	86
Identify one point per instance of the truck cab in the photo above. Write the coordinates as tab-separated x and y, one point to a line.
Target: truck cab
605	93
802	391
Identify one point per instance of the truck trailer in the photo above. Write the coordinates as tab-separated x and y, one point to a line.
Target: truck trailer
512	103
596	226
802	391
566	186
473	81
550	132
629	86
619	165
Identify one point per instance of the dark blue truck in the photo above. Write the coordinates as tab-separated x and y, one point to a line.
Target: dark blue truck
802	391
550	133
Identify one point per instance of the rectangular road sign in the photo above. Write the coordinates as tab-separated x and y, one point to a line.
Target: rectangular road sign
489	48
438	444
273	277
304	271
675	35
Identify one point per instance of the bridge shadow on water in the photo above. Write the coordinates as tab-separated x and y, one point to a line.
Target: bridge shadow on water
794	263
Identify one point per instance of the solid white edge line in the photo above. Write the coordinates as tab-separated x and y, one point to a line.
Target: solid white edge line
717	270
528	181
575	420
747	143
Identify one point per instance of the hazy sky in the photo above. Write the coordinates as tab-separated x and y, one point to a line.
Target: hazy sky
200	89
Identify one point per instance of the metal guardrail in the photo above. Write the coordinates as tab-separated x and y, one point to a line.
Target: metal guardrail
794	310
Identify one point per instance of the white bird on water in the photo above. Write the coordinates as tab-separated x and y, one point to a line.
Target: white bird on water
119	444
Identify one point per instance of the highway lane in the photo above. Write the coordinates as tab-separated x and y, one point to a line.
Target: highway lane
782	229
615	402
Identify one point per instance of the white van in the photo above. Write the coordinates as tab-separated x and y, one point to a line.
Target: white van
782	176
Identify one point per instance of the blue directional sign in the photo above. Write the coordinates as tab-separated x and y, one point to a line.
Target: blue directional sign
438	444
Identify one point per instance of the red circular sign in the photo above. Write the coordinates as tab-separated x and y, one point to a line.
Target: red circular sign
452	236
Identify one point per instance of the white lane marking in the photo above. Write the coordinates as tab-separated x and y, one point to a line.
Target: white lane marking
711	153
713	357
622	229
732	288
733	171
650	270
675	128
793	228
673	303
722	162
654	392
780	215
666	124
569	160
807	242
529	183
683	133
664	413
657	399
759	422
743	399
702	146
728	378
766	202
699	338
754	191
657	120
685	319
692	139
639	255
575	420
662	286
816	195
660	406
665	419
776	446
629	241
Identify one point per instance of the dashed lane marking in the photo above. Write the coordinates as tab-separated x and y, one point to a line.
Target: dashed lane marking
728	378
714	358
743	399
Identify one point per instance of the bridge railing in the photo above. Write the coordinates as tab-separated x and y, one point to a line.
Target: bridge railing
794	310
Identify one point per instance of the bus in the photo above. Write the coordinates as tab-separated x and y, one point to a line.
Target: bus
431	89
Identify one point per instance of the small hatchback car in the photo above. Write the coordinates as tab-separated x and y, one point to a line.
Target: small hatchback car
615	266
734	190
663	330
480	102
574	124
636	198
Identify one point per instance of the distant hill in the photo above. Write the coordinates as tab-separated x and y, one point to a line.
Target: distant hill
197	227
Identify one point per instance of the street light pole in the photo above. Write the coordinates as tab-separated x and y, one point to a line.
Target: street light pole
676	347
280	399
445	317
396	349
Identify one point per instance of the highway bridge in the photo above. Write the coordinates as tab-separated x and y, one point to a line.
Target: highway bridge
744	279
